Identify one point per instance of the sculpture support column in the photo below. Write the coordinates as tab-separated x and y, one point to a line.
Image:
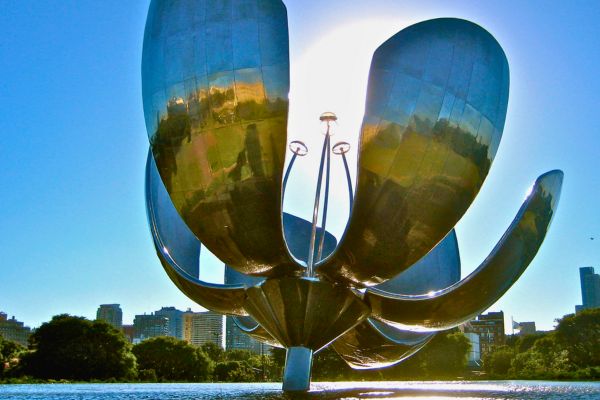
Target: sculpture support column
298	363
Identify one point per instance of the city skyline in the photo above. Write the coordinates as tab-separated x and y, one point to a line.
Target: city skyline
75	229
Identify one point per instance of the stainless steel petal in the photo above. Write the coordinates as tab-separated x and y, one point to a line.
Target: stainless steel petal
252	328
368	346
215	82
297	234
435	111
374	344
304	312
179	251
459	303
439	269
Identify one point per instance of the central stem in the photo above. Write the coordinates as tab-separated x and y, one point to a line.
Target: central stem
313	233
296	375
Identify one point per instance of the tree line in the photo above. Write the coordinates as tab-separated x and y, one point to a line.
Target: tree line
76	349
571	351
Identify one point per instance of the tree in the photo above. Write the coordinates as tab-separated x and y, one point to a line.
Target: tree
524	343
546	359
75	348
9	354
446	354
579	334
238	355
213	351
70	347
234	371
329	366
498	362
173	360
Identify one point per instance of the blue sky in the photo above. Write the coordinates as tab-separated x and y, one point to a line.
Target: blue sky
73	230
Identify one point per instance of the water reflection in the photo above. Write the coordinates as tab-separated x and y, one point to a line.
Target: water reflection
321	391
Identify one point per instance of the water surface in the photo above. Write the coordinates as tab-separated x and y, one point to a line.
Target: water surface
526	390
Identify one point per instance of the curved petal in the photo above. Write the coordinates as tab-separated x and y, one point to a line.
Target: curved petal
215	82
305	312
439	269
372	344
179	251
252	328
459	303
435	111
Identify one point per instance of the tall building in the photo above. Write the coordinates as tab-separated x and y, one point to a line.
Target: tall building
590	289
13	330
490	328
175	320
149	326
110	313
235	339
203	327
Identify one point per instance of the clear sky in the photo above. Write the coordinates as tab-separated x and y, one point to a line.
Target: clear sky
73	231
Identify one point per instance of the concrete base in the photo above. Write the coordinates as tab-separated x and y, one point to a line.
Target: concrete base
298	363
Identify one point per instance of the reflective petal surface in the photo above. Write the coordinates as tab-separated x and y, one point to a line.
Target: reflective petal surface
297	234
367	346
215	82
179	251
304	312
436	104
439	269
374	344
461	302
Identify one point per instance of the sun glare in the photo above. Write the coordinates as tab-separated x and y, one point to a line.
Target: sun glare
331	75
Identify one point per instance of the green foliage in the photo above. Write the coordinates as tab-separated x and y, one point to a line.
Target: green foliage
75	348
524	343
9	355
498	362
213	351
238	355
572	351
147	375
328	366
445	355
173	360
544	360
580	335
234	371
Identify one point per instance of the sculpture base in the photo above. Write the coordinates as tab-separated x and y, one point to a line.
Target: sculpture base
298	363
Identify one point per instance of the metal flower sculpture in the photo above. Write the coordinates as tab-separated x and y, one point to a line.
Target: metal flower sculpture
215	92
